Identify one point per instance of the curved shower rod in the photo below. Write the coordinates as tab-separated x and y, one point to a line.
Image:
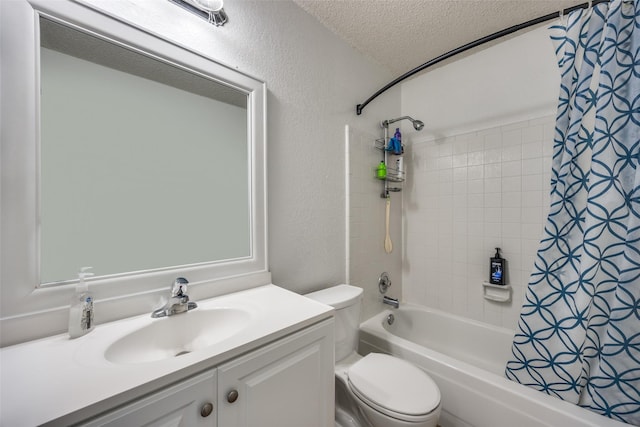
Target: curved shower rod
473	44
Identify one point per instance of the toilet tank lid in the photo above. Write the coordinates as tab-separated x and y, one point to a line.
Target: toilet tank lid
338	296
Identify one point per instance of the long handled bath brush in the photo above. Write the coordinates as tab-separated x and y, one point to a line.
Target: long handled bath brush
388	246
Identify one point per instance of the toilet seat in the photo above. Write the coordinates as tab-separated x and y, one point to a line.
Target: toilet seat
394	387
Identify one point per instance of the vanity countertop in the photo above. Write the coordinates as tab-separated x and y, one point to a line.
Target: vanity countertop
62	381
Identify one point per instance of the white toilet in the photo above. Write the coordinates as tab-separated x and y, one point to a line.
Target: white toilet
376	390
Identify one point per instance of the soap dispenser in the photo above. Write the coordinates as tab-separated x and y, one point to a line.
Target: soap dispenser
81	310
497	268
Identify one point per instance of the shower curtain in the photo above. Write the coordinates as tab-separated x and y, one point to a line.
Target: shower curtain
578	337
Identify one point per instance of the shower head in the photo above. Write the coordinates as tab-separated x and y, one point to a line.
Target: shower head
417	124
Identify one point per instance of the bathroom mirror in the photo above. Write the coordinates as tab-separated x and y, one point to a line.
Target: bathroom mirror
143	163
123	151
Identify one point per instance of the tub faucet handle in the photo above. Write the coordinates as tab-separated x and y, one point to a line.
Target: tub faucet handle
384	282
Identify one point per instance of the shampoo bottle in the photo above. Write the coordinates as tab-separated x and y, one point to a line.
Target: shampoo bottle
81	311
497	269
398	137
399	168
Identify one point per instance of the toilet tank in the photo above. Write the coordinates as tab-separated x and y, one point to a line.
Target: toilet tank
347	302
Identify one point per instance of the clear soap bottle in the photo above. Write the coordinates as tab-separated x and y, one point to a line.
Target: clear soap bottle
81	310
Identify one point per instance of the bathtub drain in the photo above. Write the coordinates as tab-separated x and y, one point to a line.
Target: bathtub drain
391	319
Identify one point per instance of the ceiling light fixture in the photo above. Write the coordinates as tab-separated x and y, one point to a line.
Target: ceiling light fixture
211	10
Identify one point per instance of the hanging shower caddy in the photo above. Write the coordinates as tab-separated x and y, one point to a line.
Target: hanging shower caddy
395	173
392	175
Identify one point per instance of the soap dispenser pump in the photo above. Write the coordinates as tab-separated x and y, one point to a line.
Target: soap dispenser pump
81	310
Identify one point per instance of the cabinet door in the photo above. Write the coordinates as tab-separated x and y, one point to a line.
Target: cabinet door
289	383
184	404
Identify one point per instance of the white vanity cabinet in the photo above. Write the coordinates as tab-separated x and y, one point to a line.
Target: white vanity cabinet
279	361
289	382
189	403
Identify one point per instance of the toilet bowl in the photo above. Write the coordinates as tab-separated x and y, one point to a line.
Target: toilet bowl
377	390
390	392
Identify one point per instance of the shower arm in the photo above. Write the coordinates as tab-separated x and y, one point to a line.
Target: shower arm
386	123
417	124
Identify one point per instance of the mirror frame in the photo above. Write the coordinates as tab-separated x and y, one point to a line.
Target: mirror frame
28	311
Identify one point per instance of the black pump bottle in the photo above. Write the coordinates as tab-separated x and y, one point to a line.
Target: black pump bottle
497	269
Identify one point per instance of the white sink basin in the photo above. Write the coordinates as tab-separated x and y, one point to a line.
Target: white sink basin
177	335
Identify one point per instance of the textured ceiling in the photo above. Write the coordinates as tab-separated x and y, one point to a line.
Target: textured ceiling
403	34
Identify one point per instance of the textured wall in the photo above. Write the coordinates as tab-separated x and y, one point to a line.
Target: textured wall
479	177
314	82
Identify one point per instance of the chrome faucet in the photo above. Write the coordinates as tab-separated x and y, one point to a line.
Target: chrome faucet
179	301
393	302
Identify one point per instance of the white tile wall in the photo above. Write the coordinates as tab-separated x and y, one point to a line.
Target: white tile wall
464	196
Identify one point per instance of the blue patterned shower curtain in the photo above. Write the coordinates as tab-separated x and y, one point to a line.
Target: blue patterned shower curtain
578	337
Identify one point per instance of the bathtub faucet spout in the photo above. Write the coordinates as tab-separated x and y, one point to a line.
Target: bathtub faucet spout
393	302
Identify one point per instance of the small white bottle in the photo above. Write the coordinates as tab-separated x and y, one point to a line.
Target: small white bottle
81	310
399	167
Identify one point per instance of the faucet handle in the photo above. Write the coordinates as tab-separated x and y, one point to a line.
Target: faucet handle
179	288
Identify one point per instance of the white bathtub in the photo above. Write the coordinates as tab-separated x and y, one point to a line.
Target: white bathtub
467	359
